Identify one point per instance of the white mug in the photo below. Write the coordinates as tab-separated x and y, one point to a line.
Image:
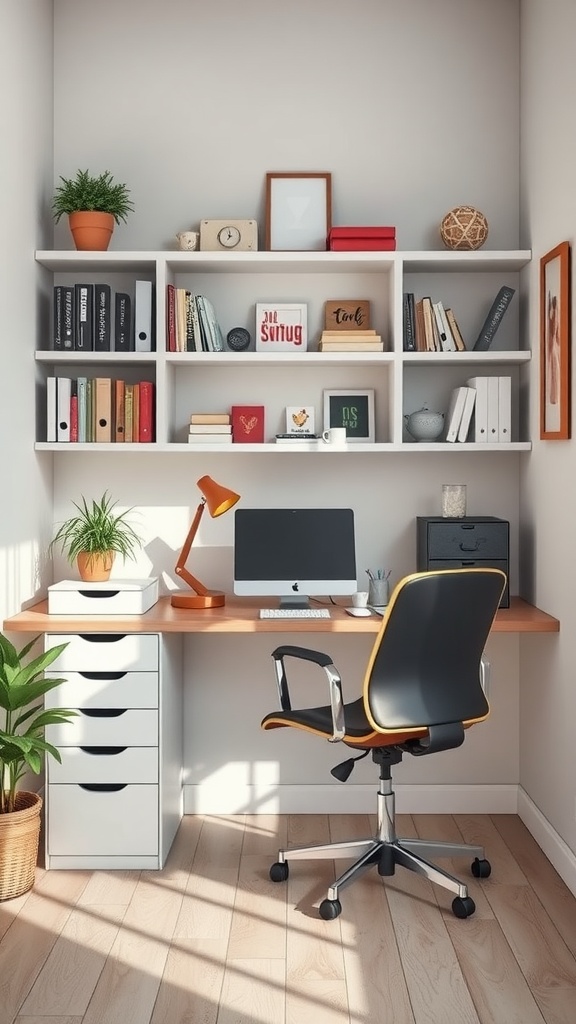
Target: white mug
335	437
360	599
187	240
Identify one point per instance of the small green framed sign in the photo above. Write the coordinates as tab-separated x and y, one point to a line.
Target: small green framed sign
353	410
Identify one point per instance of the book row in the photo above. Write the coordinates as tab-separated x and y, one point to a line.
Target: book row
191	323
429	327
97	410
480	411
94	318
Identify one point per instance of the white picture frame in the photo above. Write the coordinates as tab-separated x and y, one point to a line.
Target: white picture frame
300	419
281	327
298	211
353	409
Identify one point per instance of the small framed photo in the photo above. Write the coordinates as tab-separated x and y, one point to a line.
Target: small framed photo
281	326
555	344
298	210
353	410
300	419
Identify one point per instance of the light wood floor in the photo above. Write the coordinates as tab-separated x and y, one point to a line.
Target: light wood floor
210	940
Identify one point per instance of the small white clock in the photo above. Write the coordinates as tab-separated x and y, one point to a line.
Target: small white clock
229	236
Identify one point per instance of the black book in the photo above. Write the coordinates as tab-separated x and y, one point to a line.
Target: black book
409	322
84	317
123	334
494	319
63	319
102	317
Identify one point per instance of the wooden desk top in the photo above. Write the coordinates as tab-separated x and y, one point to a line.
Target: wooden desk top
240	615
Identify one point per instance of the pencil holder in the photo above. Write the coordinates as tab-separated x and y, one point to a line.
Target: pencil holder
378	593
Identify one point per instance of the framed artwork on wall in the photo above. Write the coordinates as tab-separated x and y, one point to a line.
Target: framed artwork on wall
298	210
353	410
555	344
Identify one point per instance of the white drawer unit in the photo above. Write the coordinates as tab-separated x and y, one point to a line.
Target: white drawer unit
115	801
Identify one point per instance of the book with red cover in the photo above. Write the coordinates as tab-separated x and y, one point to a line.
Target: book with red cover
247	424
146	421
355	239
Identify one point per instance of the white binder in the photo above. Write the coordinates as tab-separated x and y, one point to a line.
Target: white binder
493	417
455	410
143	316
63	408
51	391
467	414
481	408
504	409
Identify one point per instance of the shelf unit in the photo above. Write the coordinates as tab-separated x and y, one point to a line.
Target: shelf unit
199	381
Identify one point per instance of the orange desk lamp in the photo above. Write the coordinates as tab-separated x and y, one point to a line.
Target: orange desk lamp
218	499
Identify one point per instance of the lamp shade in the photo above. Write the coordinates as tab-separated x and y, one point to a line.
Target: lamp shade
218	498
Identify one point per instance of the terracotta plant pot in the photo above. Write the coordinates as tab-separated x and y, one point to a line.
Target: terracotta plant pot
19	835
91	230
95	567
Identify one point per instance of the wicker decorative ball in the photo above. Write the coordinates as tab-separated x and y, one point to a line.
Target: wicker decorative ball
464	228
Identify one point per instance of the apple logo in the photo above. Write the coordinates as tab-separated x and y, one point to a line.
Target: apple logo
295	586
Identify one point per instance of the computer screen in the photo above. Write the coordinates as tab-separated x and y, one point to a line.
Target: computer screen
294	553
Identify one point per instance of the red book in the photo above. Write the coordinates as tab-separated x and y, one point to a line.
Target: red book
354	239
247	424
170	318
146	407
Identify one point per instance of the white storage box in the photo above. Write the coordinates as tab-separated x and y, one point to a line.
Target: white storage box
113	597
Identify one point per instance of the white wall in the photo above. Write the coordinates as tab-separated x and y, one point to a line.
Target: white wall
25	192
548	494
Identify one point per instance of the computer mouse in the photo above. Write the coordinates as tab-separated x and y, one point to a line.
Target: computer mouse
358	612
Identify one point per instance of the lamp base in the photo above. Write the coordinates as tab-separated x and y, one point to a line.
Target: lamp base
213	599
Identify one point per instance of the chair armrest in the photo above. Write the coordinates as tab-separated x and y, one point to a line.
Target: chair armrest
334	684
485	675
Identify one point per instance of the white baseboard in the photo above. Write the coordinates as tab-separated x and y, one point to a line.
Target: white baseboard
347	799
558	852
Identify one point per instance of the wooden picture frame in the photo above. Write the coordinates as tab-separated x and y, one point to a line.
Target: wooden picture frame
298	211
353	410
555	344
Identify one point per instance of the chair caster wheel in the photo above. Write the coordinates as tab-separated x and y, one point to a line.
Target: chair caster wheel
463	906
279	871
330	909
481	868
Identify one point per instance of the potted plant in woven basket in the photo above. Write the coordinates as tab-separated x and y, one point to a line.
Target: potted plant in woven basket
94	204
94	537
23	718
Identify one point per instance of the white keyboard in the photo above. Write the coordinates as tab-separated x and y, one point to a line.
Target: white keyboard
294	613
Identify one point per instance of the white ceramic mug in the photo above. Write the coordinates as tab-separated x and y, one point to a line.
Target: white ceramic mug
335	437
188	240
360	599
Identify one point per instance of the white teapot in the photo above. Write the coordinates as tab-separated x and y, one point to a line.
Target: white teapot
424	425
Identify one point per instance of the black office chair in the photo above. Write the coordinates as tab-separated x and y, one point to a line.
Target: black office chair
424	685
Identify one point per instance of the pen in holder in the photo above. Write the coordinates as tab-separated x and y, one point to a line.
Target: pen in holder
378	587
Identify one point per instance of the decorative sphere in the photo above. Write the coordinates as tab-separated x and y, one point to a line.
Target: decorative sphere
464	228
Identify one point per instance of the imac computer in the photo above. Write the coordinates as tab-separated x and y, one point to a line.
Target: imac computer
294	553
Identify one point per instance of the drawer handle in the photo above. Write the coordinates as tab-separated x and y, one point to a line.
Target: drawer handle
103	712
468	562
103	787
98	593
103	751
102	638
102	675
470	547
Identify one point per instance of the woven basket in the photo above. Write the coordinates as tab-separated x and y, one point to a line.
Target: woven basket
19	836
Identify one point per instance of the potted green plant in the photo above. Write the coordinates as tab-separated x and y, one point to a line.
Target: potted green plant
95	536
23	719
94	204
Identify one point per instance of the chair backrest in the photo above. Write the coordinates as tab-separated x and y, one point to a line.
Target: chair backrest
424	669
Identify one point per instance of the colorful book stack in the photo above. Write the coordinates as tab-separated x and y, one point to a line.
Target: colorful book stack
429	327
99	410
191	323
350	341
210	428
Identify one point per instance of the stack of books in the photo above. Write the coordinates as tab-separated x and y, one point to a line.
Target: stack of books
299	440
210	428
95	410
350	341
191	323
429	327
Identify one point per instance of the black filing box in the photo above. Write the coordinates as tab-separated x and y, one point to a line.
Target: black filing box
473	541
